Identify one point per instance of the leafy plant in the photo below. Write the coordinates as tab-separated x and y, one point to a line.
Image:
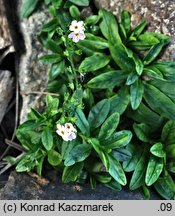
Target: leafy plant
116	95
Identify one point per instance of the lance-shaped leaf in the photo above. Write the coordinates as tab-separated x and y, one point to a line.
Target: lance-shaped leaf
28	7
109	126
142	131
93	63
168	134
153	53
126	21
116	170
136	93
117	140
157	150
159	102
98	113
82	122
71	173
119	102
154	169
47	138
108	80
138	176
84	3
109	26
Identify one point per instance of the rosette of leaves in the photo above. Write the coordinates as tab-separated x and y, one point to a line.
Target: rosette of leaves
94	155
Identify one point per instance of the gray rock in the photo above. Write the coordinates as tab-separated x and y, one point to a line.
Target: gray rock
30	186
33	76
6	91
159	15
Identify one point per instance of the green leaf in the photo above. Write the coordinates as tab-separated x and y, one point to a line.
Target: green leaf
66	148
152	72
103	156
50	26
39	166
74	12
71	173
47	138
132	78
56	70
138	64
116	171
153	53
84	3
93	63
51	105
169	180
163	189
50	44
28	7
120	56
126	21
108	80
138	30
98	113
170	151
146	192
167	69
149	38
142	131
114	185
51	59
136	91
92	20
138	176
119	102
171	167
54	158
109	26
157	150
168	135
159	102
93	182
102	178
154	169
146	115
82	122
135	151
166	87
122	154
109	126
117	140
78	153
94	43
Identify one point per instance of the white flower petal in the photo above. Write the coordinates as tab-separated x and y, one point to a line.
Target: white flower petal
71	35
82	36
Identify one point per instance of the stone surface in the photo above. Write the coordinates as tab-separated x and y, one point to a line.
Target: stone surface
33	75
159	14
6	91
30	186
6	41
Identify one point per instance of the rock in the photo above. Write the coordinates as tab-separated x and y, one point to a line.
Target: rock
6	41
33	76
159	15
30	186
6	91
102	4
86	12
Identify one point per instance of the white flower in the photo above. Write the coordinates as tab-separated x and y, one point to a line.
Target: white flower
70	128
76	36
67	132
77	27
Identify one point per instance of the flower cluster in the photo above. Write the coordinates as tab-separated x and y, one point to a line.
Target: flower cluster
67	131
77	31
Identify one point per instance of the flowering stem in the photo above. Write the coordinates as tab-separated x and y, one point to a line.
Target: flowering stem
72	64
